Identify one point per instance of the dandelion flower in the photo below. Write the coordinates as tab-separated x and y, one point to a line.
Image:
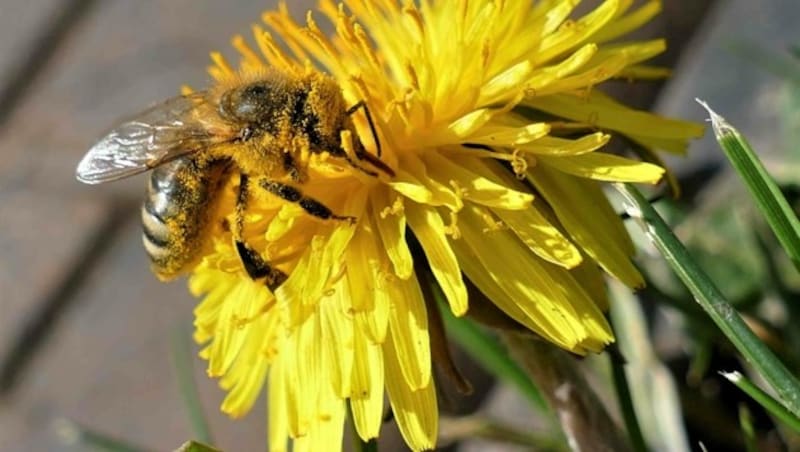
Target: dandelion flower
487	113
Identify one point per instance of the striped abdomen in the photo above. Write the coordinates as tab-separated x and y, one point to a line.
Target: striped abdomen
175	213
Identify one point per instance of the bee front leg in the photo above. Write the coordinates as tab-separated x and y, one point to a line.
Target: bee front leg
310	205
255	266
290	166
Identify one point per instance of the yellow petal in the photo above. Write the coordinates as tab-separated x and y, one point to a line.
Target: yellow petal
563	147
375	323
215	286
475	183
301	356
541	236
546	77
429	229
590	277
601	111
586	214
391	225
591	75
633	53
243	303
246	376
547	295
549	14
327	430
366	400
363	263
606	167
466	125
500	85
565	37
282	223
408	326
337	338
416	412
498	135
441	195
411	187
629	22
530	225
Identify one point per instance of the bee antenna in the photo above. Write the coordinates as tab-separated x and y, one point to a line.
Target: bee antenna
363	104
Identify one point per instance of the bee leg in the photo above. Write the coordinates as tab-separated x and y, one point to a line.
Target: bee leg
310	205
291	168
355	165
362	104
255	266
361	153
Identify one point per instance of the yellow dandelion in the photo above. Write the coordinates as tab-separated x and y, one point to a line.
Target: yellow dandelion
487	116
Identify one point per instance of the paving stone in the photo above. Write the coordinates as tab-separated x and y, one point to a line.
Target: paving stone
21	26
126	56
108	365
43	237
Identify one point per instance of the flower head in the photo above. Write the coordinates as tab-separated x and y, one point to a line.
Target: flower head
487	114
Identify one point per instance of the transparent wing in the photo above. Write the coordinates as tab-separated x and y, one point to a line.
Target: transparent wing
155	136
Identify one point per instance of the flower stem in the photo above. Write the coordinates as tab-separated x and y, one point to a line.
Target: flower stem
586	423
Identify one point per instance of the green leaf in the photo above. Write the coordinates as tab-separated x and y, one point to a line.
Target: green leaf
710	298
489	354
770	200
765	400
194	446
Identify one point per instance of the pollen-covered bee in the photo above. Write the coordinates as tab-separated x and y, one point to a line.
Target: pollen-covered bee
259	126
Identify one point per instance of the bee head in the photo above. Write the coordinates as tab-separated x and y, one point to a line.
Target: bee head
250	104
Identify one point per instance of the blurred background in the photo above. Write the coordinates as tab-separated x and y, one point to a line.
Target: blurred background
91	342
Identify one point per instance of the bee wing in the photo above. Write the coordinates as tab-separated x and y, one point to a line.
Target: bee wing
157	135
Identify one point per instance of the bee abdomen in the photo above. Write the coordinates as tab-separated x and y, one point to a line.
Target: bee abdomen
155	236
174	214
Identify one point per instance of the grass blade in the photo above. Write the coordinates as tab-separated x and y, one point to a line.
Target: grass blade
711	299
182	359
765	400
625	401
748	431
768	196
655	398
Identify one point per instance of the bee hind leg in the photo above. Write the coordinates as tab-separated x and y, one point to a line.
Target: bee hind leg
255	266
310	205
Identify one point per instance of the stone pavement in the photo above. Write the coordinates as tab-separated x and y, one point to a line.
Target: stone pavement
85	330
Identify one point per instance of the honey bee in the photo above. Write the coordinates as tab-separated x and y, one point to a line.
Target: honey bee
258	127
